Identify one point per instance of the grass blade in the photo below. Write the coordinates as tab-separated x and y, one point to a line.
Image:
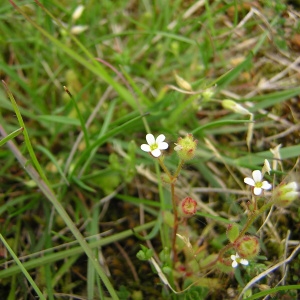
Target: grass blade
24	271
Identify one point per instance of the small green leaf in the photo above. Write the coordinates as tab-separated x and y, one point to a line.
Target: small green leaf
145	253
232	232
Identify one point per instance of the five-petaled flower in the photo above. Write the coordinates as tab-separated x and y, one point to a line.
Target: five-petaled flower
155	146
257	182
237	260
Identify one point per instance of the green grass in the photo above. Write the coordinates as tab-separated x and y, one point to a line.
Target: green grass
76	187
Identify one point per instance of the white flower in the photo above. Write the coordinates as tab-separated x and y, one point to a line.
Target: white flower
237	260
257	182
155	145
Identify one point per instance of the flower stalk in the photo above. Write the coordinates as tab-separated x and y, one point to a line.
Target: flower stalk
185	148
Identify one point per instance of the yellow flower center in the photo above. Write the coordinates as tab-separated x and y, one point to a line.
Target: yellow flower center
258	184
153	146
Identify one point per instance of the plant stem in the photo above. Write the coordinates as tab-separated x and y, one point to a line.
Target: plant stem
161	162
175	212
172	179
180	165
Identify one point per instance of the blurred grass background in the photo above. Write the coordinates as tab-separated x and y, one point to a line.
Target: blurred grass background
119	65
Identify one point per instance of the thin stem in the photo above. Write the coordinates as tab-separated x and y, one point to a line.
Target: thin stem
175	212
165	168
253	217
180	165
250	221
174	202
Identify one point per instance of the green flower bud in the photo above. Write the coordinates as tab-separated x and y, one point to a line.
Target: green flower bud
232	232
186	147
247	247
183	84
208	94
235	107
285	194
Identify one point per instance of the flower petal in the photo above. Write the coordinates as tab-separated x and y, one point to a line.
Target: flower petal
266	185
244	262
178	147
291	195
234	264
257	175
145	148
257	191
156	152
150	139
292	185
160	139
249	181
233	257
163	145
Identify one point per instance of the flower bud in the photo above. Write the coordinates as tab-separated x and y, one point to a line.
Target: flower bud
235	107
277	157
266	168
78	12
285	194
247	247
79	29
186	147
187	207
232	232
208	94
183	84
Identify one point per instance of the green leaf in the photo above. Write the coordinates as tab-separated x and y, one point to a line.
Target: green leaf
11	136
59	119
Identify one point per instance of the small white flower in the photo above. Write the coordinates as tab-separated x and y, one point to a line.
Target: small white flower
257	182
155	145
237	260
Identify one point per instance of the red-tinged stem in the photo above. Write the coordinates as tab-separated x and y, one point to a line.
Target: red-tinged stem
175	212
